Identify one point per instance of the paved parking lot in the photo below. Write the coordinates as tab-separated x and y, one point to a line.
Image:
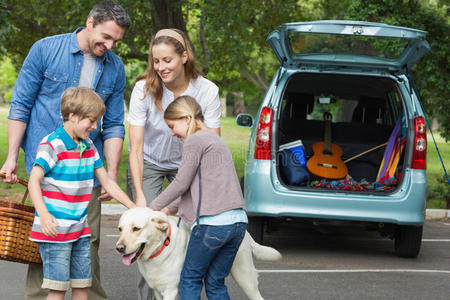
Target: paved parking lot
318	263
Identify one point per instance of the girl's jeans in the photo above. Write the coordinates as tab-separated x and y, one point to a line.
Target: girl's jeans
209	257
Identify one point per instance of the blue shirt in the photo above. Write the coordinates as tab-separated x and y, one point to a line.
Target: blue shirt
53	65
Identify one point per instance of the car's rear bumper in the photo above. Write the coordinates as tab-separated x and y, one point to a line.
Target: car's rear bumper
265	196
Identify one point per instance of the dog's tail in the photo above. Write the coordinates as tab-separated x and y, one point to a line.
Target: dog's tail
263	252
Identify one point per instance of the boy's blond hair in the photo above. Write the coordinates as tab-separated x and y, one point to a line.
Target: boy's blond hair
82	102
185	107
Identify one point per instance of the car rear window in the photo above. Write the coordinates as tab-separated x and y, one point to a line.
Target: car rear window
320	43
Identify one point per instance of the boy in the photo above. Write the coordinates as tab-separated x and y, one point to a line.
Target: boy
60	185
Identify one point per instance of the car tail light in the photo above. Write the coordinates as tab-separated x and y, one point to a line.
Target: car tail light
419	158
263	135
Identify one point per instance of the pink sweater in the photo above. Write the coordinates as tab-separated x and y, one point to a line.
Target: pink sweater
220	186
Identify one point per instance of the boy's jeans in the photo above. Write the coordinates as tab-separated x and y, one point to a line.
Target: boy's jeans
66	265
33	290
210	255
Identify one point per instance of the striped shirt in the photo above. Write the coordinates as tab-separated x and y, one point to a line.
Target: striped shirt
67	185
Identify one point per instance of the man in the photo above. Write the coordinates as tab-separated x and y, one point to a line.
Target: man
82	58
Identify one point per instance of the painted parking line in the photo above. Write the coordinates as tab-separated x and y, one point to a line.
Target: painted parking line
389	240
423	240
357	271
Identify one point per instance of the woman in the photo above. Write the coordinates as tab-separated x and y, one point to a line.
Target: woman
153	153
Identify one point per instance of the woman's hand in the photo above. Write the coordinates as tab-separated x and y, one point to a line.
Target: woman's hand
141	201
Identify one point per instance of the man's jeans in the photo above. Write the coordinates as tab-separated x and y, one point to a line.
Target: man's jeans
209	257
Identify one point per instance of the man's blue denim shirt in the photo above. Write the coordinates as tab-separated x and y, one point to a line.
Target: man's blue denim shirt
53	65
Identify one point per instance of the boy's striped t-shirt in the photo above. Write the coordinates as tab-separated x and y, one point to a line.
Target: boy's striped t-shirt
67	185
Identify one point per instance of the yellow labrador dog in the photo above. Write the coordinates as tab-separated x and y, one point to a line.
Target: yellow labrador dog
158	243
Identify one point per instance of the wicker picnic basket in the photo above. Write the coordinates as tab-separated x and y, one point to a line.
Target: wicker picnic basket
16	220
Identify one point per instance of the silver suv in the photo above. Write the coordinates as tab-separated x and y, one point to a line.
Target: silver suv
340	134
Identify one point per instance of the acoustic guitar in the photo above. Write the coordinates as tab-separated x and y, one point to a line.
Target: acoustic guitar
326	161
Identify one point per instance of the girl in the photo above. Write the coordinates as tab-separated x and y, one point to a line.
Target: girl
211	200
153	153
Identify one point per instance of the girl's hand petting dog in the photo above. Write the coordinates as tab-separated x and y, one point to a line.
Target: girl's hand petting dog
167	211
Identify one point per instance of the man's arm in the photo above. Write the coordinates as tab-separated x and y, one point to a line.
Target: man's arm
113	189
16	130
114	130
25	90
112	150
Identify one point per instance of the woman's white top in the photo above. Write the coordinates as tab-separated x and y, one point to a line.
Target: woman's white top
160	147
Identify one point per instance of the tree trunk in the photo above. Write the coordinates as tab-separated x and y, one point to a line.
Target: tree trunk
434	124
239	105
167	14
259	80
223	107
206	52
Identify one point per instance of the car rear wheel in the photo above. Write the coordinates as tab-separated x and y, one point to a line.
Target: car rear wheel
408	240
256	228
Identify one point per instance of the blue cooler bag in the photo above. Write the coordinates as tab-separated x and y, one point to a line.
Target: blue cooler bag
293	164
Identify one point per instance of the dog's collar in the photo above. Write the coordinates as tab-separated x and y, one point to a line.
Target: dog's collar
165	244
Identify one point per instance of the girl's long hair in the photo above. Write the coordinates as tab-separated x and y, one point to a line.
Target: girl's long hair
185	107
153	83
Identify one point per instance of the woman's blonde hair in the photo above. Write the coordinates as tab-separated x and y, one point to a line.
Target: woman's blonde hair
185	107
82	102
153	82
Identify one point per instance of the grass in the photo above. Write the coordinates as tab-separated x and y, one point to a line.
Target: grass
9	191
237	139
438	186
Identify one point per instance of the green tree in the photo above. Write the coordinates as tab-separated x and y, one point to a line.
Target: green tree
8	75
25	22
431	74
229	36
231	39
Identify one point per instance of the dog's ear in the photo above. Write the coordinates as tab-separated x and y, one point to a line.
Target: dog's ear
161	224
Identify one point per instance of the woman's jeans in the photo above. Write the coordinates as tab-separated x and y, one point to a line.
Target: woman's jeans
209	257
